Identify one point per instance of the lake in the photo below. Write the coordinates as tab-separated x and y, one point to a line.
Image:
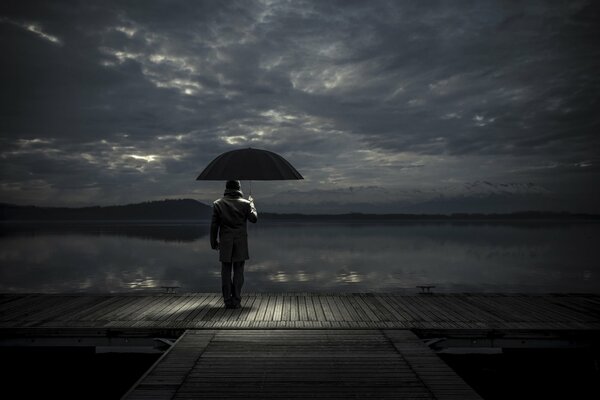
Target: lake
305	256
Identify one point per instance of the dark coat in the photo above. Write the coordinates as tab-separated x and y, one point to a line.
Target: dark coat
229	220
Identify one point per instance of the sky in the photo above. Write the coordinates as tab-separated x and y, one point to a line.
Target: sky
378	104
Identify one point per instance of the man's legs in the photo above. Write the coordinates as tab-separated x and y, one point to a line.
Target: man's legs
226	284
238	282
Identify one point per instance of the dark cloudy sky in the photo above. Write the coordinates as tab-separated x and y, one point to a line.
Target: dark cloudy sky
108	102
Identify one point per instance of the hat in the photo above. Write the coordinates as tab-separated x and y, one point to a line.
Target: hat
233	185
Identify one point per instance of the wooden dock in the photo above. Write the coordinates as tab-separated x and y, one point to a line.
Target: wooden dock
298	345
301	311
298	364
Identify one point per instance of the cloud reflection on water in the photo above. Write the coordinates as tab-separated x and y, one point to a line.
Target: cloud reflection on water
313	257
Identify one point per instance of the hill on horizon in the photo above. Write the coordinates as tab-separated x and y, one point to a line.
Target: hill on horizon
169	209
190	209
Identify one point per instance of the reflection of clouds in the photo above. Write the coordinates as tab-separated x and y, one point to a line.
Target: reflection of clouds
143	283
86	284
279	276
314	257
349	277
106	263
302	276
260	266
400	256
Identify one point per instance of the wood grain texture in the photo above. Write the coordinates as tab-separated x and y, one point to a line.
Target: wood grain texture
469	311
291	364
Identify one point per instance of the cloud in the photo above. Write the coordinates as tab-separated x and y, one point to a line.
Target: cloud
133	100
34	28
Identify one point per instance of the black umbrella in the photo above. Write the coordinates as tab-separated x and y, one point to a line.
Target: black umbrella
249	164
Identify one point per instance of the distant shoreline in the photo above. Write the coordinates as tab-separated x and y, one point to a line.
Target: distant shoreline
519	216
269	217
191	211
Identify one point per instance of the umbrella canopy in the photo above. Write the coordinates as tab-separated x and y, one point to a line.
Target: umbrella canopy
249	164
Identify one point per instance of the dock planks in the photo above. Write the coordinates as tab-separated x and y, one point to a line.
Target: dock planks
291	364
303	310
297	345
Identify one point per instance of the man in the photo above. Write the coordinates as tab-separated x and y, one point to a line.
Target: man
229	220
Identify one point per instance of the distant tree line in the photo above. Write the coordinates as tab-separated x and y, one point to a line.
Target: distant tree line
151	210
188	209
522	215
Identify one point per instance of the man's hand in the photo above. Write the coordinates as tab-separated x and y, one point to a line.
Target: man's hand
250	199
215	246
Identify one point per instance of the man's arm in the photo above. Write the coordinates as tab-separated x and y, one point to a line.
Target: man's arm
252	215
214	227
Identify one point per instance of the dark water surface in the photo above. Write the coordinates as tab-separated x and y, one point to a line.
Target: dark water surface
307	256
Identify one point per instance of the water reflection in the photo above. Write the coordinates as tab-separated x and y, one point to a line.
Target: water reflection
168	232
305	257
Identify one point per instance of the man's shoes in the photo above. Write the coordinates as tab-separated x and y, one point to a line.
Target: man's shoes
231	303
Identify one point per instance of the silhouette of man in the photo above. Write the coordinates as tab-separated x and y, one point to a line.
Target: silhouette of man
229	220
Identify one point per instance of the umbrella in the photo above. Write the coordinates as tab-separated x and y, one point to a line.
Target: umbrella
249	164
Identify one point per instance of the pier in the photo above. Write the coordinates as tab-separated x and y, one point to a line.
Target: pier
293	345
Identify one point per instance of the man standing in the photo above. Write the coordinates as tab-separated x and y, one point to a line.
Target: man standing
229	220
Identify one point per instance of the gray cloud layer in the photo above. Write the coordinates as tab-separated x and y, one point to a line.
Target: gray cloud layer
111	102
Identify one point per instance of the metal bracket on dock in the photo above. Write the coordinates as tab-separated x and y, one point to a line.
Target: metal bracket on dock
425	289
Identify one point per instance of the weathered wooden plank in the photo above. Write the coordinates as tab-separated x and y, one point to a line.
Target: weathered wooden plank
470	307
343	310
200	312
113	302
319	314
458	315
98	302
172	308
256	305
375	307
130	303
302	309
19	304
345	314
240	313
299	364
568	307
393	308
40	305
278	308
353	315
359	301
249	308
198	302
6	298
293	308
56	313
260	314
324	307
429	316
136	309
182	308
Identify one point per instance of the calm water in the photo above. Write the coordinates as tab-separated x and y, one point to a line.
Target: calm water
491	257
